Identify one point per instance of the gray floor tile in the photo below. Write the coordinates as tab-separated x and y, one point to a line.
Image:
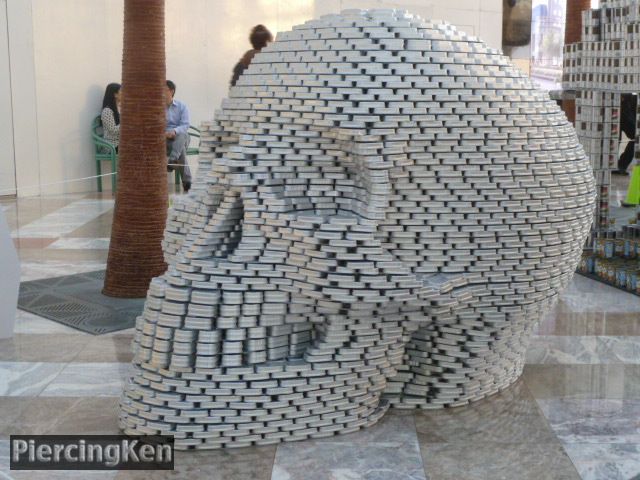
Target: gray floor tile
593	420
26	378
605	299
497	461
29	323
387	450
312	460
583	381
591	350
606	461
590	323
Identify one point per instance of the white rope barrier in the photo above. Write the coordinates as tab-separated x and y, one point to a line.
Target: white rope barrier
10	191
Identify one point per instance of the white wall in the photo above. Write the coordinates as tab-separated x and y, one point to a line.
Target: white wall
77	51
205	38
77	47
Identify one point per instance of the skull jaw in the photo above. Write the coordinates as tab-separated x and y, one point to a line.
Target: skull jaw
263	403
337	387
295	400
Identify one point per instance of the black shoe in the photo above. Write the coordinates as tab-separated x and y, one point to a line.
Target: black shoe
619	172
186	187
627	205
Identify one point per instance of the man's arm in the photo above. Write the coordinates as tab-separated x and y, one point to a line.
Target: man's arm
183	127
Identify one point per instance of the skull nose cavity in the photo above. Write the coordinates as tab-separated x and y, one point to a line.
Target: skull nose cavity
222	234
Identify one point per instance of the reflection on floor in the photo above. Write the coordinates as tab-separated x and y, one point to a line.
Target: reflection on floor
574	414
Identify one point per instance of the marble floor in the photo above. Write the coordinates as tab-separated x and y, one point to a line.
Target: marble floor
575	413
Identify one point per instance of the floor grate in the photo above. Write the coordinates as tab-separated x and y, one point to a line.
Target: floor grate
77	301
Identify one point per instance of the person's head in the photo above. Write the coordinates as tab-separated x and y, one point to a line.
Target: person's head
170	92
111	99
259	37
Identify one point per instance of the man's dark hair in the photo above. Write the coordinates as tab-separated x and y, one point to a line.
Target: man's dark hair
172	86
260	36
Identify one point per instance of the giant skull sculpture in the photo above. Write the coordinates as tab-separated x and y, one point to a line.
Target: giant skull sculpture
385	208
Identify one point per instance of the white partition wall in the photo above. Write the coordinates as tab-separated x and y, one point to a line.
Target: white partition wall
76	46
7	162
23	97
9	280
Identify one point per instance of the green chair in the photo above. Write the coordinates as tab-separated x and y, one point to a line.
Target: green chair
103	150
193	133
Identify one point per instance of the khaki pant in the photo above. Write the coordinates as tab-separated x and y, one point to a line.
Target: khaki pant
177	155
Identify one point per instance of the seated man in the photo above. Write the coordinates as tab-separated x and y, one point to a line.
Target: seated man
177	135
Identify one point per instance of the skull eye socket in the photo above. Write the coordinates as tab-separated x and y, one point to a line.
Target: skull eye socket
338	182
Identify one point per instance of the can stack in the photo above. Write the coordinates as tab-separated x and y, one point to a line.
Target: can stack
614	258
601	67
385	208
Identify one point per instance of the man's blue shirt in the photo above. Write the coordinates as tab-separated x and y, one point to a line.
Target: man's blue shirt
177	117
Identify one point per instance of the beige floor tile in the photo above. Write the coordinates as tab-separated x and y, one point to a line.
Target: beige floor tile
66	416
41	415
252	463
11	409
98	227
103	348
511	416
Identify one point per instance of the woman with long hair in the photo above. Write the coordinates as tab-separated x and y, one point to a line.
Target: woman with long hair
110	115
259	37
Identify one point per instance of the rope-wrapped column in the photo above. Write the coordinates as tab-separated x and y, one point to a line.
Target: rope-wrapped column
135	252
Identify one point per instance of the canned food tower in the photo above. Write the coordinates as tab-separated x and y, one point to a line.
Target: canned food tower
603	68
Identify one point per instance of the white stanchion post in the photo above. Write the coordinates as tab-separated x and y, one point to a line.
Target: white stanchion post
9	280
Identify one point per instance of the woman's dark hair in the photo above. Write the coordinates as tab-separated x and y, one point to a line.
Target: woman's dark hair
260	36
109	100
